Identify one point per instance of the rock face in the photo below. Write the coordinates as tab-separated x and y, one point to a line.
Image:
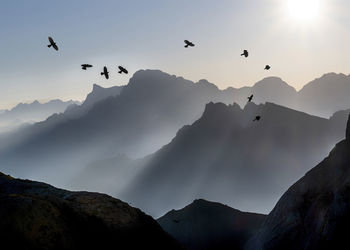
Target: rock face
35	215
210	225
315	212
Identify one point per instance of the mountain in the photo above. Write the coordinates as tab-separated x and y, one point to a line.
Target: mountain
35	215
325	95
315	212
205	225
98	94
143	117
136	120
227	157
30	112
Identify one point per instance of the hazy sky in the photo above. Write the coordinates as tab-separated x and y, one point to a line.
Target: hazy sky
299	41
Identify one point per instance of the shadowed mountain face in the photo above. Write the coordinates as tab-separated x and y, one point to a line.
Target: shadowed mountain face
38	216
227	157
315	212
205	225
29	113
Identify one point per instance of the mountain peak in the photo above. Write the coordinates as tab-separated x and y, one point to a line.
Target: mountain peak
204	82
96	87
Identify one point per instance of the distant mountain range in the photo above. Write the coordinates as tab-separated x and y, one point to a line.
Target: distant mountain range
315	212
205	225
225	156
25	113
141	117
38	216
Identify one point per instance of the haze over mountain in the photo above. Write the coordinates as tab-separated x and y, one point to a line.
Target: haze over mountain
33	112
205	225
136	120
315	212
146	115
225	156
35	215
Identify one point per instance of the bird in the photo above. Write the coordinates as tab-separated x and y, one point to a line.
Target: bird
245	53
250	98
122	70
257	118
267	67
176	221
105	72
188	43
85	66
52	43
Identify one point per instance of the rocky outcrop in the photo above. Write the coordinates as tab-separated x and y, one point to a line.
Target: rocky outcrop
210	225
315	212
35	215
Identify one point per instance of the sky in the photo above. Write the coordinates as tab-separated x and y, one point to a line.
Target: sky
300	41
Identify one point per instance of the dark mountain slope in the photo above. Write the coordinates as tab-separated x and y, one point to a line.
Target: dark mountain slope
205	225
226	156
315	212
37	216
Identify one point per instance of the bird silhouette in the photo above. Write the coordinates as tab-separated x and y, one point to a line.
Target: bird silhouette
122	70
250	98
52	43
257	118
245	53
85	66
188	43
267	67
105	72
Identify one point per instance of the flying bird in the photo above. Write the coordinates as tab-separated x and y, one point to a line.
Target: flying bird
105	72
245	53
250	98
85	66
188	43
122	70
267	67
257	118
52	43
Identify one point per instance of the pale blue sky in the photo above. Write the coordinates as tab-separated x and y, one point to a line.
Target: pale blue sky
149	35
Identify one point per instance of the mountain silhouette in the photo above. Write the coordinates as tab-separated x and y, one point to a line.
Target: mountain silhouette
210	225
136	120
25	113
143	117
315	212
325	95
98	94
227	157
35	215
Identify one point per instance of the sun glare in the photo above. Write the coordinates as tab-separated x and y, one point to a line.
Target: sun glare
304	10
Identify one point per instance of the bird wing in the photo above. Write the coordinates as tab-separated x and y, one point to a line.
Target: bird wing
51	40
54	45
